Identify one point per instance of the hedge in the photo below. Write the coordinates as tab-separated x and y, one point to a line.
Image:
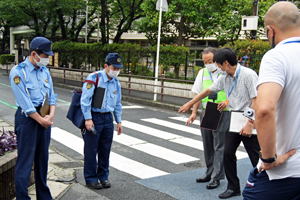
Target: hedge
250	52
6	58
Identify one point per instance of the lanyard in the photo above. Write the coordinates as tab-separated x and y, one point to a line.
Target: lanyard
291	42
211	77
237	76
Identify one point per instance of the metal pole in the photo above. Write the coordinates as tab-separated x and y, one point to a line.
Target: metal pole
157	54
86	21
255	13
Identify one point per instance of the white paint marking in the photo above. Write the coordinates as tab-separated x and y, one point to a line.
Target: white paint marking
116	161
195	131
154	150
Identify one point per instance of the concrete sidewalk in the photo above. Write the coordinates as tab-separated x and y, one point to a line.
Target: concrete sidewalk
61	176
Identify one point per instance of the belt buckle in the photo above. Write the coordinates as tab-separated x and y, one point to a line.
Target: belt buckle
22	112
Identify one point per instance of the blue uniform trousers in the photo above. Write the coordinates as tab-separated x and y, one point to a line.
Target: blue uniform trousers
260	187
33	146
98	144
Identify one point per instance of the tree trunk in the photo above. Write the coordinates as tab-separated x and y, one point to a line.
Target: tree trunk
180	31
176	70
102	22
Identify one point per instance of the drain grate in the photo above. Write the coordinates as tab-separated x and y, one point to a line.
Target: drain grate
65	165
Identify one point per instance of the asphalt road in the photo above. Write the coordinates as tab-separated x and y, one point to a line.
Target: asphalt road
154	143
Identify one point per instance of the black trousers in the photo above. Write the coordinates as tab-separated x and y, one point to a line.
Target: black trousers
232	142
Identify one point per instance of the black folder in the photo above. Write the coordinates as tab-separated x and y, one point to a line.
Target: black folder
98	97
212	117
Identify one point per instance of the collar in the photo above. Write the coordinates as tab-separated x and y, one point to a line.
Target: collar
236	70
287	40
30	66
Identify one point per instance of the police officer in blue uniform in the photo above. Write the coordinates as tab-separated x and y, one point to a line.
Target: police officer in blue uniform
99	121
30	81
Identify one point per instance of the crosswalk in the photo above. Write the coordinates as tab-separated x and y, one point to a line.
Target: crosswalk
149	148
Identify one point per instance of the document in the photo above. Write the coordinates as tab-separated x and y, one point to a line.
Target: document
98	97
45	109
238	121
212	117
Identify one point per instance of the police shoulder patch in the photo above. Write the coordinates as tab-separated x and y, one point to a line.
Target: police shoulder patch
89	86
17	80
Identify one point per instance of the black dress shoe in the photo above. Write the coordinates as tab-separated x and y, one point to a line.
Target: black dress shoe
213	184
203	179
106	184
96	185
229	193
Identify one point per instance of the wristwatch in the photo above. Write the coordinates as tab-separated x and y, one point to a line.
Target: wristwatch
269	160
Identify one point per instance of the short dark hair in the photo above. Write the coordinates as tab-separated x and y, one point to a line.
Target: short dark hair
225	54
38	51
209	50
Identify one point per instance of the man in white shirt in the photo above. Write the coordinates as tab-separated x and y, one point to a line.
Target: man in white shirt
277	175
213	141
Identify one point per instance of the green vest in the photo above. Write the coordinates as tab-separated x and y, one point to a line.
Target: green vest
206	82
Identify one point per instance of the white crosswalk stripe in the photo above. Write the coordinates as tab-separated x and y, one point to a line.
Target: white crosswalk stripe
117	161
136	168
196	122
154	150
172	125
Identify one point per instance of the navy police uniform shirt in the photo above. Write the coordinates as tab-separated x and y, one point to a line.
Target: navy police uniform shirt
112	99
30	86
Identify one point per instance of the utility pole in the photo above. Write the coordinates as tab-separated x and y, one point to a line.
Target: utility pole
255	13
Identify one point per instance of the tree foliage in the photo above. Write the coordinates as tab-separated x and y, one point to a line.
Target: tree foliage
198	19
66	19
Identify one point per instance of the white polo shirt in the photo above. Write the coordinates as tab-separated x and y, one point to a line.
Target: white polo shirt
282	65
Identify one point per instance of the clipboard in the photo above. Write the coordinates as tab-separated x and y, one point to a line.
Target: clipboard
212	117
98	97
45	109
238	121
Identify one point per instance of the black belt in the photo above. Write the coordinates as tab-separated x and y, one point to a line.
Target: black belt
104	112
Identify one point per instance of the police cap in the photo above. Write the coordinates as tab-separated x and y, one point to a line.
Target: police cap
114	59
43	44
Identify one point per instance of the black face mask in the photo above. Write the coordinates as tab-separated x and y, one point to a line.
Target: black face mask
273	38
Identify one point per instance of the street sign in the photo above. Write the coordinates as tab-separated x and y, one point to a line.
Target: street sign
165	6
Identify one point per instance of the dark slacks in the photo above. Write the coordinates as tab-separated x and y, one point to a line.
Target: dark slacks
99	144
213	144
33	146
260	187
232	142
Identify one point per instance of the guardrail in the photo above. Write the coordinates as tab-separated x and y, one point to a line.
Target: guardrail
80	75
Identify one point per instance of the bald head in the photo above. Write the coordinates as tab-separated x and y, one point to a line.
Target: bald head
284	15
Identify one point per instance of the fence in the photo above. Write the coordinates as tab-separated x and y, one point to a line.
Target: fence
140	62
166	87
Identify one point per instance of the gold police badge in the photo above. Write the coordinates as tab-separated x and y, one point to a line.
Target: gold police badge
46	80
115	92
17	80
89	86
119	60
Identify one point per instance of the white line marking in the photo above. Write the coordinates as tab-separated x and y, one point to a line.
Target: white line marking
196	122
195	131
132	107
116	161
150	131
154	150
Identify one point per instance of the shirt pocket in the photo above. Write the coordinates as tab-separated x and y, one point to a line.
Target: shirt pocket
114	98
33	90
47	87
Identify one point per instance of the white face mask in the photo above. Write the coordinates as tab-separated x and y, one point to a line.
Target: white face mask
211	67
43	61
113	73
